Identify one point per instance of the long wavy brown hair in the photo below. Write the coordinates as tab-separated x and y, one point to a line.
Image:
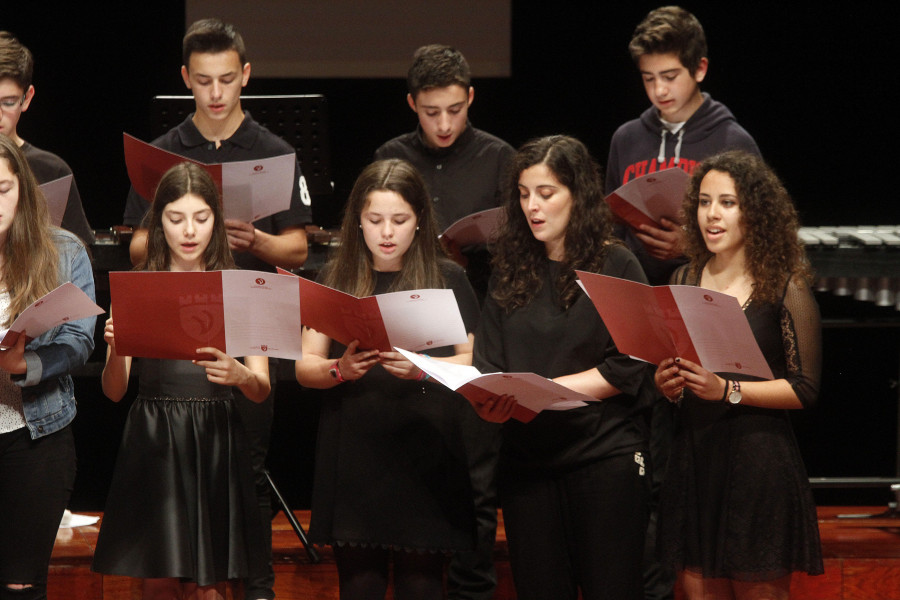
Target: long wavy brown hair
517	253
29	257
768	219
183	179
351	270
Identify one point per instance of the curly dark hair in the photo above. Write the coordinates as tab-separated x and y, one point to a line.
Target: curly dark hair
768	218
517	253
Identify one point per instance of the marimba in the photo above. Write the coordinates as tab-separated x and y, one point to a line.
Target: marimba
858	261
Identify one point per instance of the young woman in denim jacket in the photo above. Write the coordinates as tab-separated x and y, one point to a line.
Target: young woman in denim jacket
37	401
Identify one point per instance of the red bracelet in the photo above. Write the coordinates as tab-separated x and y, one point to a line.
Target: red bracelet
335	371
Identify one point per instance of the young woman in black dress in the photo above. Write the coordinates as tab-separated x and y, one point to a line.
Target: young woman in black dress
391	480
736	512
181	512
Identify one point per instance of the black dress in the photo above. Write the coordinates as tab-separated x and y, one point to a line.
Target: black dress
391	469
736	501
181	502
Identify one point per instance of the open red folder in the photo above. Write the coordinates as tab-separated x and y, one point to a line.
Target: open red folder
63	304
653	323
647	199
416	319
164	314
251	189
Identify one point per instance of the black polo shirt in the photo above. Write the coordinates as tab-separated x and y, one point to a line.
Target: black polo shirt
250	141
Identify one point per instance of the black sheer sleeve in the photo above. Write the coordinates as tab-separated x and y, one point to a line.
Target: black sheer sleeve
801	333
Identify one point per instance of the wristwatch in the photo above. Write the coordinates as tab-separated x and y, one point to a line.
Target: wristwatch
735	396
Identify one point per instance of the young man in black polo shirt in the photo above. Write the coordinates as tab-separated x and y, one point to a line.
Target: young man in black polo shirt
463	168
16	94
215	70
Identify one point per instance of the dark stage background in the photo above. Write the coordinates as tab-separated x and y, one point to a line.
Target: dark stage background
816	87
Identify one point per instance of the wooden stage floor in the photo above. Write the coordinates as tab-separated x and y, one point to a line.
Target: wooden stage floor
862	562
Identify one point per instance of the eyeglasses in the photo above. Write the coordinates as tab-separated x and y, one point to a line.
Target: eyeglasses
9	103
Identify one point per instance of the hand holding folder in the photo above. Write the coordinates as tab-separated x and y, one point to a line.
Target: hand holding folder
164	314
251	189
654	323
65	303
532	392
416	319
647	199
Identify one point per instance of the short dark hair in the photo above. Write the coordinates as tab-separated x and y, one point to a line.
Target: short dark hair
16	61
211	36
670	29
437	66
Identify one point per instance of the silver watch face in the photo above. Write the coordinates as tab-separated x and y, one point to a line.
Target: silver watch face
734	397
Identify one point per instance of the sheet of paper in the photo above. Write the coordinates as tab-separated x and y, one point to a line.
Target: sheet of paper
56	193
160	314
533	393
254	189
654	323
475	229
65	303
251	189
262	314
647	199
420	318
720	331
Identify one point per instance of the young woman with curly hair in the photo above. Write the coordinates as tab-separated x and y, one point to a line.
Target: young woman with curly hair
573	484
736	512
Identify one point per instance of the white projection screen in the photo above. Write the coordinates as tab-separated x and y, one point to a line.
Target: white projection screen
358	38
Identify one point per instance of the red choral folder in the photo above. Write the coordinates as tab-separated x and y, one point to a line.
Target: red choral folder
144	326
647	199
146	164
343	317
653	323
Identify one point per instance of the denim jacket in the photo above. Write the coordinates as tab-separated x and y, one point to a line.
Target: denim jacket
48	396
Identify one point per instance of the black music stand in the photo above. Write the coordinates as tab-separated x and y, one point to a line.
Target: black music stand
292	519
301	121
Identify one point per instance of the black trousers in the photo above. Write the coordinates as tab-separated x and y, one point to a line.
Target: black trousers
36	481
582	529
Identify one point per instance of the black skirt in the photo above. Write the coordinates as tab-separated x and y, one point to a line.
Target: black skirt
182	502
